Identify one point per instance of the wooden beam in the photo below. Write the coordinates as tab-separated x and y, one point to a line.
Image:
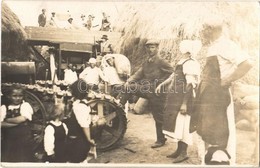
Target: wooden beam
59	35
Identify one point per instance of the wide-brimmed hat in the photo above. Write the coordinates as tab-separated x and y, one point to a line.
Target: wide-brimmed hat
152	42
82	15
104	37
91	16
52	12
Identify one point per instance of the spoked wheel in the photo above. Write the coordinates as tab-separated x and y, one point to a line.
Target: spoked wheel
37	124
109	135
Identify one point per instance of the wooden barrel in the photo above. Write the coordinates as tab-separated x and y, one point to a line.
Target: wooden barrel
141	105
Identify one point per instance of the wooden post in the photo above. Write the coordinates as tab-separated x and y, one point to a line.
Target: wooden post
59	66
46	77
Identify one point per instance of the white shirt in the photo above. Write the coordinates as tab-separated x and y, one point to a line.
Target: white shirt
229	55
70	76
53	21
112	75
81	112
26	110
191	70
49	137
105	47
91	75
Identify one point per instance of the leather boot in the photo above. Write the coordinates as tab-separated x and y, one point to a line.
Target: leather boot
159	144
183	153
177	152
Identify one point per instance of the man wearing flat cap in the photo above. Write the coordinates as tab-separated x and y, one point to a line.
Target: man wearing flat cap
144	82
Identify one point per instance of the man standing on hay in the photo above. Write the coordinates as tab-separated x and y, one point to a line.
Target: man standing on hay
42	18
213	117
144	82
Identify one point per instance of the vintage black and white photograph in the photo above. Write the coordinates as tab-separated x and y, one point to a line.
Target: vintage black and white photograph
129	83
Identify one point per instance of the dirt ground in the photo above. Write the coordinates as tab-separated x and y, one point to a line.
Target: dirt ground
135	147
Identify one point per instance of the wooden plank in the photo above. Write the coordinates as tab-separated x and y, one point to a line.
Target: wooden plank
78	47
58	35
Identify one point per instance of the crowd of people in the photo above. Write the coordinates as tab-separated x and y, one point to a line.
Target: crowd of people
184	103
88	23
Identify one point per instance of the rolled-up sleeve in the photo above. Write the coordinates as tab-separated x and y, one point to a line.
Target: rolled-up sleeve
27	110
3	112
81	112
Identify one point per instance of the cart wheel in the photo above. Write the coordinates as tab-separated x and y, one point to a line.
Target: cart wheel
37	124
111	134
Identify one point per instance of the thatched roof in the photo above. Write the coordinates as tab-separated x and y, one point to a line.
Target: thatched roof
13	37
171	22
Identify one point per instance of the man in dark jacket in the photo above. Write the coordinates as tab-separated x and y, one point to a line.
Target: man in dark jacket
42	18
144	82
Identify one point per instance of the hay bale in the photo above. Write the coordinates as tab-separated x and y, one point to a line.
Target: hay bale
14	47
240	90
250	115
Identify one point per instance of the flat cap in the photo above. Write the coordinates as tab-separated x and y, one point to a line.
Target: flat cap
213	22
152	42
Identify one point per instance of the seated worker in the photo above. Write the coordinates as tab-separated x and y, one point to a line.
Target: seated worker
92	75
114	80
53	20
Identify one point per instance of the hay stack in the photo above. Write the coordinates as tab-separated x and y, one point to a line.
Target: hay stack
14	46
171	22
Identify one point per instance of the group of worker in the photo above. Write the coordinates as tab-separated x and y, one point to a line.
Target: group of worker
181	103
84	23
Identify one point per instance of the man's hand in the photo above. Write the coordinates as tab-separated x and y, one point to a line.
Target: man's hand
92	142
126	85
225	82
158	89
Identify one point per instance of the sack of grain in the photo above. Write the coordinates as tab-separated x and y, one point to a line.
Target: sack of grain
140	106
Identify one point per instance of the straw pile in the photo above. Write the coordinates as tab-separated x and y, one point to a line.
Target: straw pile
171	22
14	46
